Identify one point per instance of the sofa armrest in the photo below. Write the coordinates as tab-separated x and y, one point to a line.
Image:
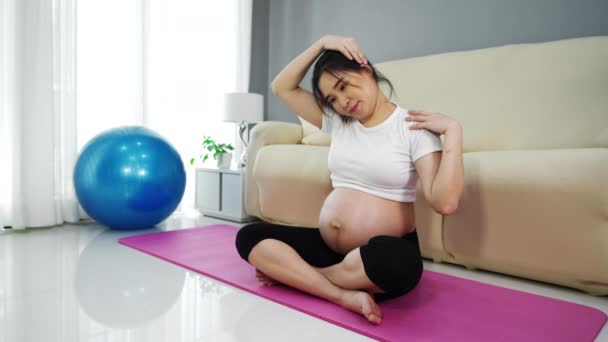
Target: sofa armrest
263	134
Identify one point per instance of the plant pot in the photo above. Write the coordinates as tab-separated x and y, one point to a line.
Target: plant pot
224	160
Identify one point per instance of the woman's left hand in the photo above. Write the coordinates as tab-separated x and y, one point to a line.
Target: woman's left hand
434	122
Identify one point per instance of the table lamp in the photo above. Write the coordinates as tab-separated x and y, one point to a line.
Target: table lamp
243	108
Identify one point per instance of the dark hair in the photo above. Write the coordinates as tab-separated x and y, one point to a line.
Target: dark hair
332	61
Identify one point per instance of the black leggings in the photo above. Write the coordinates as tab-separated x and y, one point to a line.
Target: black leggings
394	264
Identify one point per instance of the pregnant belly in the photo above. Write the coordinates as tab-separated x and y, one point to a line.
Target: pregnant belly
349	218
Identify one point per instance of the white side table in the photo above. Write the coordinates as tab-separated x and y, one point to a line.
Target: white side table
220	193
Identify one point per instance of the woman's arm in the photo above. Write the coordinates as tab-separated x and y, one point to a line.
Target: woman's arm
290	77
286	84
441	174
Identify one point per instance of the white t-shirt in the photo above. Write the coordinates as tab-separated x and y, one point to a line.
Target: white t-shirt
378	160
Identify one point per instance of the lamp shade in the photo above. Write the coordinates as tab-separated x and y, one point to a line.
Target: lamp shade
243	107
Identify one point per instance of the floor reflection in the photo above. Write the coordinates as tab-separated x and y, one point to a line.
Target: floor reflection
120	287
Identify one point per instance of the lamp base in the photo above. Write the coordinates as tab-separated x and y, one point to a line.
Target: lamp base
243	159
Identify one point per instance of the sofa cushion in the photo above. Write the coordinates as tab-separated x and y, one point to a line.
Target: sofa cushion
540	214
312	135
317	139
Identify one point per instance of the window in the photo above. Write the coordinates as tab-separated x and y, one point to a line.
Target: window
164	64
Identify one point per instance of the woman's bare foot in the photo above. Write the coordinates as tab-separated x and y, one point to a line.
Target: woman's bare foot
264	279
363	303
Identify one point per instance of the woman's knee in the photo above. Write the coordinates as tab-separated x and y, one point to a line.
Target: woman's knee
352	262
393	264
248	237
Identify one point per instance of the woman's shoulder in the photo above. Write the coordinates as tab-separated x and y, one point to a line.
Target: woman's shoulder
408	136
402	114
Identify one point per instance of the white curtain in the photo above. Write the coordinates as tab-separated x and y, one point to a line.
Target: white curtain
8	110
37	115
164	64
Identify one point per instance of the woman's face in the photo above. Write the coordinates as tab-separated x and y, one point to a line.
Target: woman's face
350	93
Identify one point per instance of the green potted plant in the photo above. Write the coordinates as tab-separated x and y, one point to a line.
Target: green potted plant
220	152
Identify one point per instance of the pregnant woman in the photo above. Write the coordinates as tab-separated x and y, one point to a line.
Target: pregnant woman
366	247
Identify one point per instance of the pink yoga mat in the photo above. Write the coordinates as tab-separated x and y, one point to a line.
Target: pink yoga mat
441	308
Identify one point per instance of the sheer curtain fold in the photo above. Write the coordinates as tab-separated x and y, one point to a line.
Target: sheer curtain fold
9	143
37	113
245	11
64	86
170	63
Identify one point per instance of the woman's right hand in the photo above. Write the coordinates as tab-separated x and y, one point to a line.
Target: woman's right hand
347	45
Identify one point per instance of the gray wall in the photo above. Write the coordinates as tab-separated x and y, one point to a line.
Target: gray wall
258	82
395	29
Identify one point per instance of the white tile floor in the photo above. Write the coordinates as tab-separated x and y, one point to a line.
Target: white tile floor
75	283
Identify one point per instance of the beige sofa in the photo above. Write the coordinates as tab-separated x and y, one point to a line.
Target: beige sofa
535	120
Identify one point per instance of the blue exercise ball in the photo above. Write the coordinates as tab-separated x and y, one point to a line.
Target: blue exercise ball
129	178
